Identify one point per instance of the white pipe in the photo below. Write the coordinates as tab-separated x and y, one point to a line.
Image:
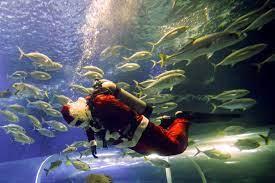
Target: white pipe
168	173
37	179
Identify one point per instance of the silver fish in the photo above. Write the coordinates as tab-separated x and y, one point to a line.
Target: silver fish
241	55
141	55
56	125
45	132
242	103
36	123
39	75
18	75
128	67
10	116
205	45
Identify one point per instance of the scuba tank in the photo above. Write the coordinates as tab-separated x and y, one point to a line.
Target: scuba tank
132	101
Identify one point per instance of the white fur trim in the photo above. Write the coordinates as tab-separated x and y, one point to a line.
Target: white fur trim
114	135
93	143
80	111
95	129
137	134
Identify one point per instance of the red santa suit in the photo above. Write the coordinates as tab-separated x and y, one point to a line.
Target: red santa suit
129	129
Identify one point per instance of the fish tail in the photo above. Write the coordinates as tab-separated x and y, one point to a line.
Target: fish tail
154	63
22	54
79	74
267	137
264	5
198	151
28	101
43	120
137	84
174	4
125	59
47	171
215	67
153	46
46	94
258	66
214	108
188	62
208	98
163	59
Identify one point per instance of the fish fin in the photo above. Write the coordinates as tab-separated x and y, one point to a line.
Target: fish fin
188	62
79	74
174	4
163	59
46	94
215	67
17	91
22	54
209	55
214	108
259	66
259	28
28	101
125	59
266	139
267	2
137	84
153	46
208	98
171	88
154	63
80	155
47	171
198	151
145	158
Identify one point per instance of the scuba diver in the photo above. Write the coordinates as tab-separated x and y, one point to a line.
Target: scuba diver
122	120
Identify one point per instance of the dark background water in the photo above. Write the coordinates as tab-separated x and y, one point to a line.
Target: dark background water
52	27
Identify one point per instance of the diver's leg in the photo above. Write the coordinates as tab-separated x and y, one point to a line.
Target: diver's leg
156	139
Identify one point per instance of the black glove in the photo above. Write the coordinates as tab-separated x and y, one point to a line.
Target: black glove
93	149
104	143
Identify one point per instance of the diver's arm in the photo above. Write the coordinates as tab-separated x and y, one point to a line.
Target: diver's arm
91	138
109	108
